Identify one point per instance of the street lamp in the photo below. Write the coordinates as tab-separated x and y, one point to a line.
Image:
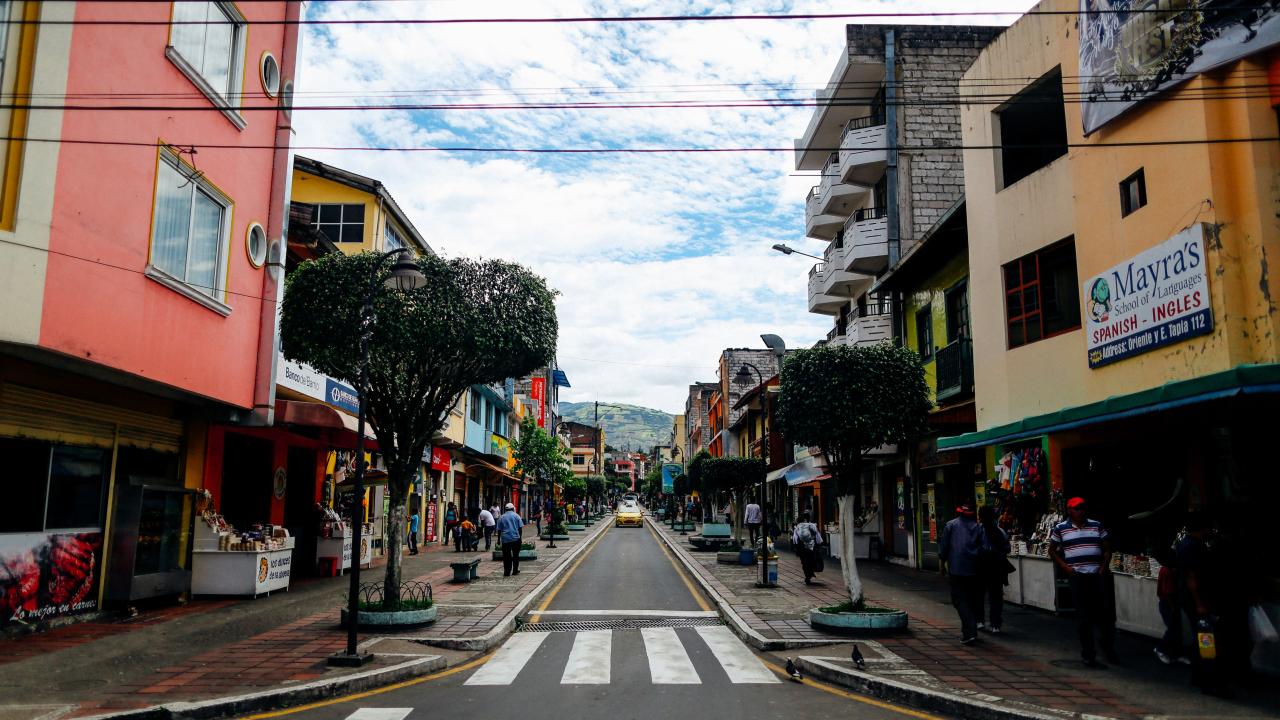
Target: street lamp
788	250
743	377
405	276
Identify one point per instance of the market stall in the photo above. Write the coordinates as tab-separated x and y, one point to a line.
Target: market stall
229	562
335	543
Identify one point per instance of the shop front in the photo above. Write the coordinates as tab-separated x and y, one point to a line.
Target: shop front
943	480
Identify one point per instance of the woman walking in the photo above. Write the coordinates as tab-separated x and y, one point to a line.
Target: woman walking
806	540
450	523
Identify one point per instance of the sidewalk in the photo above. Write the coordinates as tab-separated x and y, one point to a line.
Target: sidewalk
223	647
1033	666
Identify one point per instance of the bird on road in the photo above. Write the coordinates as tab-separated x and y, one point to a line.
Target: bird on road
858	661
792	672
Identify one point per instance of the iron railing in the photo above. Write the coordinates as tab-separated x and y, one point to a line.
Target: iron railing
954	367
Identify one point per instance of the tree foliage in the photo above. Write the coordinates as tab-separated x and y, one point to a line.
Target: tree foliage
731	474
472	322
696	465
539	456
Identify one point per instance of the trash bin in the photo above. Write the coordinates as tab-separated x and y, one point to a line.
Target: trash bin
747	556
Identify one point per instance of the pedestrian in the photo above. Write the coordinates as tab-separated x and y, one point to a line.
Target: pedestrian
1081	548
450	523
467	535
536	514
994	568
753	519
486	524
413	533
807	541
510	527
1169	650
958	550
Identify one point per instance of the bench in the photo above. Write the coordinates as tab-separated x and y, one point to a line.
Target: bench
714	535
466	571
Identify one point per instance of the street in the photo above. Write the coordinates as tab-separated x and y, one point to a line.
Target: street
623	635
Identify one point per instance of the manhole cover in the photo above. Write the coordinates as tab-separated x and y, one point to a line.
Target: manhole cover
621	624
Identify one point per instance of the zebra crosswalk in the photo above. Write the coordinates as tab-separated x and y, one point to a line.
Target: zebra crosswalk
590	659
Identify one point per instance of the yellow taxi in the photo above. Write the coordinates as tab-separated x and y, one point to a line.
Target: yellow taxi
629	514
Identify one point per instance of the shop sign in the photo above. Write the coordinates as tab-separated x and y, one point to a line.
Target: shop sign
431	522
538	393
900	503
499	445
1132	50
440	459
308	381
933	515
273	571
1157	298
48	575
366	555
669	473
342	396
931	458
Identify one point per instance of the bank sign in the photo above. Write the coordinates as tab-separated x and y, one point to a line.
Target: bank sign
1155	299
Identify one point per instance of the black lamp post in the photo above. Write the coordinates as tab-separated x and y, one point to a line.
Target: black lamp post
743	377
405	275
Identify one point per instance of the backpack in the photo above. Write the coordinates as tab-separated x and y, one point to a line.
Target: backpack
807	537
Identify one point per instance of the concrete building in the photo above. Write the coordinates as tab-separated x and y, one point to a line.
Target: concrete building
697	420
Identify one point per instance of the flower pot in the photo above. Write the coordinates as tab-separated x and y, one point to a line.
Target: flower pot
858	623
395	619
524	555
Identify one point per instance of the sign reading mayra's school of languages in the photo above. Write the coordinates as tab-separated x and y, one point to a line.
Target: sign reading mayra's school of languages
1154	299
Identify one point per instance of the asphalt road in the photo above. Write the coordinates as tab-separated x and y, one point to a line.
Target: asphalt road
622	636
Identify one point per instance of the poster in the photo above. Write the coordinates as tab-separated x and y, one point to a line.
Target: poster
538	392
669	473
1133	49
933	515
1159	297
900	503
48	575
430	528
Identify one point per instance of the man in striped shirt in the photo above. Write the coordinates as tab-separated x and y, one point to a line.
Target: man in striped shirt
1081	549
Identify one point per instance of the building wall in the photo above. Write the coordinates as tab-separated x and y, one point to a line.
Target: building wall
308	188
1230	185
932	292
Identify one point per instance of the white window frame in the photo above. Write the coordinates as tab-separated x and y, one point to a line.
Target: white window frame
226	101
216	300
391	235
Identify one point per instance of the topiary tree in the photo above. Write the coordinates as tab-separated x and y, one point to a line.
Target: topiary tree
733	476
596	489
847	400
695	474
473	322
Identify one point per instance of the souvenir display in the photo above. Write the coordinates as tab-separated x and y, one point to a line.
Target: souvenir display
227	561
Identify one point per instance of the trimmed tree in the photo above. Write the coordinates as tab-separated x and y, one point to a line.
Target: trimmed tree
541	458
473	322
733	476
846	401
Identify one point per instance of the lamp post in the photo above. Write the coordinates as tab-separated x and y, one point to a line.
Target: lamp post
405	275
788	250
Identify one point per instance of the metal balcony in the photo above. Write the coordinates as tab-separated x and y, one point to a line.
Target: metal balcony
820	302
953	366
863	153
867	235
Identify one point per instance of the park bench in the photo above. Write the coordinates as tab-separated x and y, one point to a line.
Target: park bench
466	571
713	536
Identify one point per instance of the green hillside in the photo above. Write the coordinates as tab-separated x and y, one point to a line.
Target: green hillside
626	427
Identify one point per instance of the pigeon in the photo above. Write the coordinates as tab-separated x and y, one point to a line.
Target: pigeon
792	671
858	660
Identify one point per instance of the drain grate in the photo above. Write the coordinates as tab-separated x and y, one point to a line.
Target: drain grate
619	624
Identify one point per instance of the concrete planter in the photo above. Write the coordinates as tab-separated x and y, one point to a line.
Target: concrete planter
576	528
553	537
858	623
398	619
728	557
747	556
524	555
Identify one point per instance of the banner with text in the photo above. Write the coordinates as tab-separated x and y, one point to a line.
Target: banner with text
1155	299
538	392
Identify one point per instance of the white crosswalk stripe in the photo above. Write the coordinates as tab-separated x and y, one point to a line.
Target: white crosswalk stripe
669	664
509	660
589	659
380	714
740	664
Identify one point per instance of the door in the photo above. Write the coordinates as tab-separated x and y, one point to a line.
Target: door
246	481
300	515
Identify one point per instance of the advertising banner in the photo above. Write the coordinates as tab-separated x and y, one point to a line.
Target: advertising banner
441	459
538	392
343	396
1133	49
1157	298
48	575
669	473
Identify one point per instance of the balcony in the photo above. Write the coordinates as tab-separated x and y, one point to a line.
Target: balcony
863	153
870	324
851	88
954	368
820	302
837	281
867	235
830	202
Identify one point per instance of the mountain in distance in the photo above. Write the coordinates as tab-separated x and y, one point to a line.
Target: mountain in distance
626	427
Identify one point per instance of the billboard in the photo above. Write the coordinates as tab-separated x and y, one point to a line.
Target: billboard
669	473
1132	49
538	392
1159	297
47	575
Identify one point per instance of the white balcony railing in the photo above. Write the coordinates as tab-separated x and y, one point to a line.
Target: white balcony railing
866	234
819	301
863	153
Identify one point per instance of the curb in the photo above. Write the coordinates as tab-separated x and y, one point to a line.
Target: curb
731	616
975	707
282	697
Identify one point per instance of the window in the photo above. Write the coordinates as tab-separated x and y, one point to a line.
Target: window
207	44
1031	129
924	331
341	223
489	423
475	407
1041	297
56	487
579	459
1133	193
391	238
191	231
958	312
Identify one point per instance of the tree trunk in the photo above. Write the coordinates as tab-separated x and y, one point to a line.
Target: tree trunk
848	563
397	518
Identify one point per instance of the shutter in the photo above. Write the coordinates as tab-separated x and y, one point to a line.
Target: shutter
29	413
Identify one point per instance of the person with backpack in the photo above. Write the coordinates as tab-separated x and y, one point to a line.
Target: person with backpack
959	546
806	540
450	523
993	568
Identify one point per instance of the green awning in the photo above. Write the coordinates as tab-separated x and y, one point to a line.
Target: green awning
1242	380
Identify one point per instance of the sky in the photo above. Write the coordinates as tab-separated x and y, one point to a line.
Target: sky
660	260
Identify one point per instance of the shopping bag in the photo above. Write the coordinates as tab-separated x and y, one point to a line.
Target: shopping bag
1260	626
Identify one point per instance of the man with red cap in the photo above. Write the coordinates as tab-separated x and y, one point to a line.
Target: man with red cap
959	546
1081	549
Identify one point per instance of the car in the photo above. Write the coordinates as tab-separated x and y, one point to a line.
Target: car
629	514
630	497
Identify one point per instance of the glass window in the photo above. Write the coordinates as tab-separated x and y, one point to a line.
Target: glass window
209	36
475	407
1032	129
391	238
341	222
26	477
190	228
1133	192
579	459
77	477
924	331
958	312
1041	298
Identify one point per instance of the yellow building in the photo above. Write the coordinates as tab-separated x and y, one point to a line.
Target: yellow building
1124	330
354	212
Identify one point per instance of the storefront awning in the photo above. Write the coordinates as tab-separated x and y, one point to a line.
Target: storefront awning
1242	380
491	468
321	416
796	473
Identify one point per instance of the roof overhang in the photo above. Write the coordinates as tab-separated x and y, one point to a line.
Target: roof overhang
848	94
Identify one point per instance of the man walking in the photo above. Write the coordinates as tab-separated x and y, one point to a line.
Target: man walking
958	550
413	533
1081	549
487	524
509	528
753	519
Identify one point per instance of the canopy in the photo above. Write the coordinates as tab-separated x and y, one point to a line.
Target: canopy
796	473
324	417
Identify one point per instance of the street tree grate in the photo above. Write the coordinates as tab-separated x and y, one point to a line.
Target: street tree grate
619	624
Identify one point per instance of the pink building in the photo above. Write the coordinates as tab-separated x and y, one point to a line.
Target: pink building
142	207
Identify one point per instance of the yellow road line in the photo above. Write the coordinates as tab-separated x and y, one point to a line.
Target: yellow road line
370	693
697	596
851	695
572	569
